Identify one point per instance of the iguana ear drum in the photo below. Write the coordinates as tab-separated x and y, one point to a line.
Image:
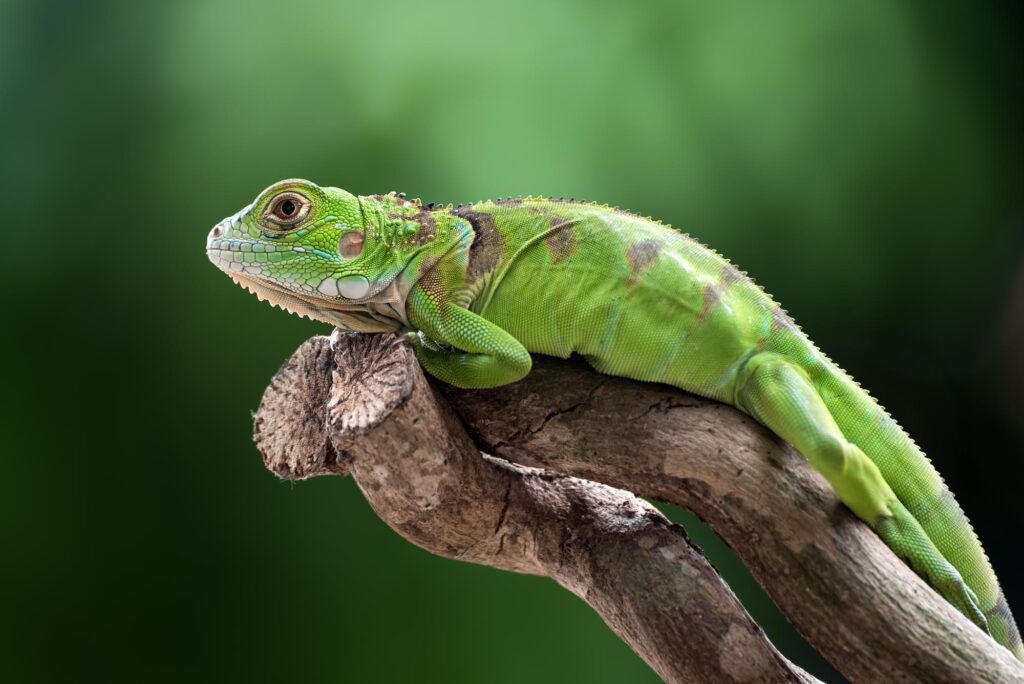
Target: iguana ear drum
350	245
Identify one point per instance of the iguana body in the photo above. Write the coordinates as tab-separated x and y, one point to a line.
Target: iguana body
484	285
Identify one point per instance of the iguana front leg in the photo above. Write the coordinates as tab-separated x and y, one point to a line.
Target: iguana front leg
779	394
483	354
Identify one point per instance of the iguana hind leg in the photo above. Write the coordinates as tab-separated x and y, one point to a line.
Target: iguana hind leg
779	394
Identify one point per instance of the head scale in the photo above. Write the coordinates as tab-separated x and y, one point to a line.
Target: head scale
318	252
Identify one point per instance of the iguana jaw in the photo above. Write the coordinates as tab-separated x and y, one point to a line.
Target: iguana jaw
266	290
275	295
383	312
327	264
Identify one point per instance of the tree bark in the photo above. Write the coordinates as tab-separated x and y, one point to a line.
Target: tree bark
360	405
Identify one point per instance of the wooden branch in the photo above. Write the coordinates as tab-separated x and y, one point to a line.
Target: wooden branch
364	408
831	576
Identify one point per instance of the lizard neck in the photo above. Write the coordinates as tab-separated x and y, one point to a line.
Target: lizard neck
405	225
421	235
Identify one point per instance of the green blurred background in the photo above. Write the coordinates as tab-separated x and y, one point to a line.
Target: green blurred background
862	160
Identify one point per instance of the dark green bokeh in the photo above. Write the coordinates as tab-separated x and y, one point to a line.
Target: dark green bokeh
861	160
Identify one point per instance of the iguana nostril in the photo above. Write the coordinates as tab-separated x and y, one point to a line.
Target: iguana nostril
217	231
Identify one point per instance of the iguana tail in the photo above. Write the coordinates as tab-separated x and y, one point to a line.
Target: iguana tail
920	488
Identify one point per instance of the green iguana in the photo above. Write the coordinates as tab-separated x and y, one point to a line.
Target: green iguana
479	287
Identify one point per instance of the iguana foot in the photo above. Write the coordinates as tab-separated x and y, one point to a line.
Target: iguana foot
902	533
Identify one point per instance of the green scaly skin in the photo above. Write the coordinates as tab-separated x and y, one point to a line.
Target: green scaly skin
480	287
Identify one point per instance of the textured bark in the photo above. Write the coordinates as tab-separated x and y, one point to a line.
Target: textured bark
364	408
360	405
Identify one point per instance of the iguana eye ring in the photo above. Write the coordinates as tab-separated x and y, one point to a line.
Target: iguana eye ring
287	209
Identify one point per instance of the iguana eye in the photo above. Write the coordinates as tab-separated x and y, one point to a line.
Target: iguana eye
287	209
350	245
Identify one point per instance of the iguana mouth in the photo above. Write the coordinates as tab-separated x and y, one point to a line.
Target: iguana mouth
378	315
381	311
275	295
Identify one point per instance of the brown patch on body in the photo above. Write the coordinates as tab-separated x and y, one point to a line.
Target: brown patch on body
639	255
428	226
1002	610
424	218
430	281
711	294
730	275
782	321
486	250
561	239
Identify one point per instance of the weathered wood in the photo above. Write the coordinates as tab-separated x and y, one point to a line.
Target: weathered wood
382	422
830	575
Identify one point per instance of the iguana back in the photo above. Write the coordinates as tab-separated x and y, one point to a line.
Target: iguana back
640	300
633	297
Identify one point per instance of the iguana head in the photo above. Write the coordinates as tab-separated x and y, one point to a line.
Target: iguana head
325	253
